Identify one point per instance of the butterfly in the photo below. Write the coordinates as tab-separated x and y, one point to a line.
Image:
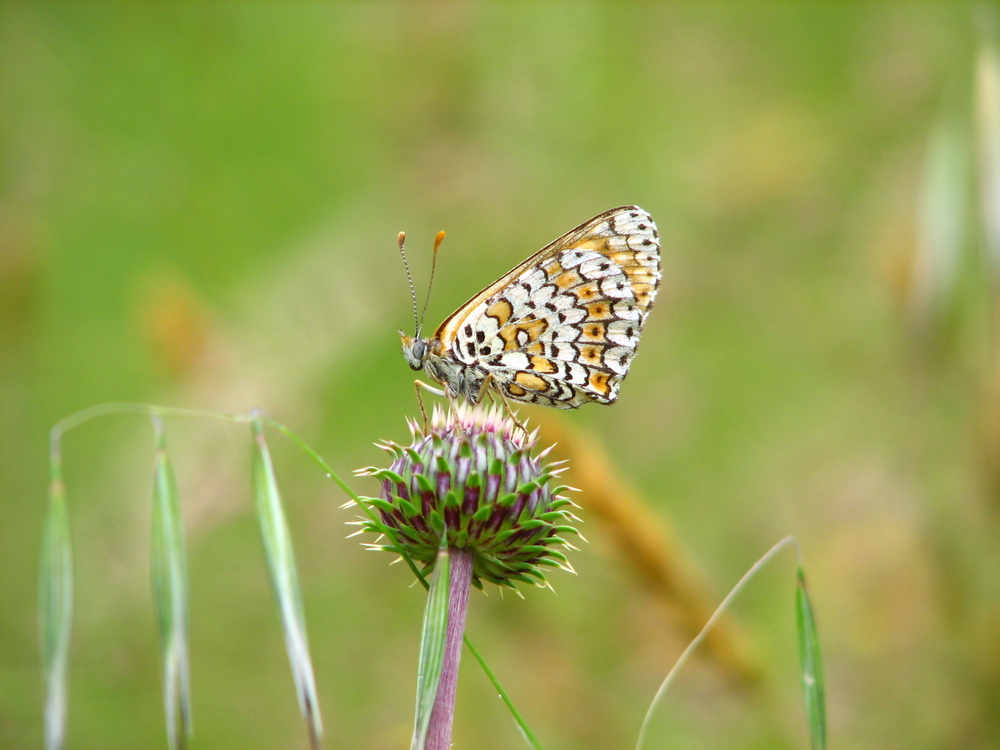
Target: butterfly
561	328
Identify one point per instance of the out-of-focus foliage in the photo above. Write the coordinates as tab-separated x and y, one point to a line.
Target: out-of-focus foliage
199	205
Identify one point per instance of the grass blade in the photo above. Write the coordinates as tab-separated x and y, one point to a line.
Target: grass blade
284	579
526	732
812	665
55	615
432	642
170	595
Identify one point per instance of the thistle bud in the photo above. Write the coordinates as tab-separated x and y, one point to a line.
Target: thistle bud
472	476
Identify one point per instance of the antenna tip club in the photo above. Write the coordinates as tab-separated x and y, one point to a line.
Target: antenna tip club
402	238
438	240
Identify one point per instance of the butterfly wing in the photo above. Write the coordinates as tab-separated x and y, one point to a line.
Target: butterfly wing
561	328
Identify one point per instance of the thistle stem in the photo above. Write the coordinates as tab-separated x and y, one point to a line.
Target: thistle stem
439	731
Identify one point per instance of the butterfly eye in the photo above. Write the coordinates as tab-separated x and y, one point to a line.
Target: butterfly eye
414	350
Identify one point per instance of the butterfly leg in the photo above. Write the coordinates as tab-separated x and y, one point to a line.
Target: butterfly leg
503	400
417	385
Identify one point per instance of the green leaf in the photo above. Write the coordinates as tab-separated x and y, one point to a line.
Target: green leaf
553	515
436	521
812	665
381	504
507	500
531	570
55	606
519	577
531	523
388	474
432	643
501	537
170	595
284	579
534	549
422	482
527	488
565	530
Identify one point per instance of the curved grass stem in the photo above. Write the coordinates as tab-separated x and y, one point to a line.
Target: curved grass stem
740	585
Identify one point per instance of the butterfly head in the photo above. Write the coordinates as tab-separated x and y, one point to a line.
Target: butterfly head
414	350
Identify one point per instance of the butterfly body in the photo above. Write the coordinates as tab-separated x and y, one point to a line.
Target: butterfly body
558	330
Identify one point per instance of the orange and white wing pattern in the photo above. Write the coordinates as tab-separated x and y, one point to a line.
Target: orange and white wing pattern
562	328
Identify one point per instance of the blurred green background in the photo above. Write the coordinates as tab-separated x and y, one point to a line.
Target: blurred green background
199	206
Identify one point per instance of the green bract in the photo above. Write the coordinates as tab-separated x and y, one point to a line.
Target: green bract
472	476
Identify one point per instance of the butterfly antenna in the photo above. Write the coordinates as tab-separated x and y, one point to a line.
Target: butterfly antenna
437	243
409	279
